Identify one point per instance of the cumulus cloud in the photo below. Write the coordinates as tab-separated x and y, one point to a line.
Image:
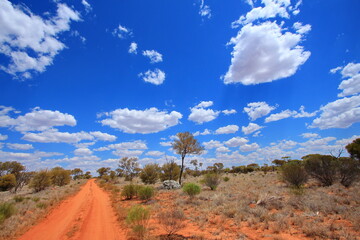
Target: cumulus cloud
205	132
341	113
127	153
87	6
3	137
257	110
18	146
145	121
252	127
103	136
82	151
138	144
166	144
289	113
222	149
36	120
154	153
122	32
30	42
310	135
200	115
264	51
156	77
236	142
228	112
154	56
249	147
133	48
53	136
212	144
351	79
227	129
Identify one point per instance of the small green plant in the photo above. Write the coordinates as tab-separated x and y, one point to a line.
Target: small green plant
294	173
18	198
6	211
191	189
226	179
146	193
138	218
212	180
41	205
150	173
129	191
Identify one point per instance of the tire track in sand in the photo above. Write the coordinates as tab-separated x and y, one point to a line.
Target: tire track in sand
86	216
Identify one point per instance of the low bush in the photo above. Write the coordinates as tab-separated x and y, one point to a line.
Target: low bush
294	173
41	180
321	167
191	189
18	198
349	171
60	177
6	211
226	179
212	180
7	182
170	171
138	218
129	191
146	193
150	173
172	221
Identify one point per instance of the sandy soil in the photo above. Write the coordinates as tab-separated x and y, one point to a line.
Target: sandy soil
87	215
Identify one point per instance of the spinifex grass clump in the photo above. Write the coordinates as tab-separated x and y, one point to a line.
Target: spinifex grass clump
212	180
6	211
138	218
129	191
146	193
191	189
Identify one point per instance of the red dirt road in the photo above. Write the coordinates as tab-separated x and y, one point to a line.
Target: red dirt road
87	216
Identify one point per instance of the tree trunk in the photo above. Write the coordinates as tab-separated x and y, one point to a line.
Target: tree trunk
182	168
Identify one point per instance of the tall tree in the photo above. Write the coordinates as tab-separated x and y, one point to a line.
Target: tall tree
129	167
354	149
184	145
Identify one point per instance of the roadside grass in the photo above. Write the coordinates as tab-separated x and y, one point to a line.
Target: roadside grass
30	207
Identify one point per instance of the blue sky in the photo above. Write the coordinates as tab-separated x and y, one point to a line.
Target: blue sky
84	83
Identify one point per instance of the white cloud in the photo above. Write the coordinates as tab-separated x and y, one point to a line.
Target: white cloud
249	147
351	83
302	29
166	144
263	53
36	120
310	135
317	143
252	127
156	77
228	112
29	159
127	153
103	136
212	144
288	113
140	145
205	104
205	10
53	136
272	9
205	132
18	146
222	149
82	151
236	142
137	121
227	129
87	6
122	32
257	110
341	113
200	115
155	153
133	48
346	141
29	41
3	137
153	55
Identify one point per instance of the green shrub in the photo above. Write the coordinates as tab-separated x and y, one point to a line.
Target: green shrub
321	167
170	171
18	198
191	189
7	182
349	171
226	179
146	193
129	191
6	211
212	180
294	173
60	177
41	205
138	218
150	173
41	180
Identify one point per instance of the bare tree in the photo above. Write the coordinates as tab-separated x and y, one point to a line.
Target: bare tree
184	145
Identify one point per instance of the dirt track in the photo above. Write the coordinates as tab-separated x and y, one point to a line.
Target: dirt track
88	215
